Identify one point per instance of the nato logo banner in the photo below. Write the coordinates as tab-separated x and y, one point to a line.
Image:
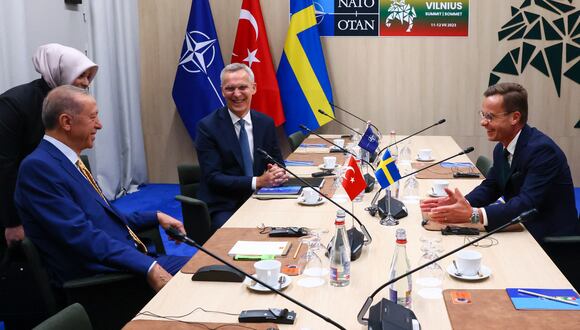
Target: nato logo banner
392	17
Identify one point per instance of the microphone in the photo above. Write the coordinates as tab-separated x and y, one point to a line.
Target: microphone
369	179
355	116
410	136
338	121
379	317
376	206
174	233
356	239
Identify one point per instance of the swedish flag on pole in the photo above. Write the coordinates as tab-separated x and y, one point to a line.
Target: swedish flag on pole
302	76
387	172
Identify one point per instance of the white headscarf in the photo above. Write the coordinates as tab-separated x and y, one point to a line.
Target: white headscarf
61	65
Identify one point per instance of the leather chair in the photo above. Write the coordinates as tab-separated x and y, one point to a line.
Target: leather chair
563	250
295	140
73	317
483	164
196	219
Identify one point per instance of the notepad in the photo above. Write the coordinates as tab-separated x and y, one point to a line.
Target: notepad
529	302
256	248
283	190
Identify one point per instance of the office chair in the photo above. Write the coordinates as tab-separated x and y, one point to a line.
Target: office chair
196	219
295	140
563	250
483	164
73	317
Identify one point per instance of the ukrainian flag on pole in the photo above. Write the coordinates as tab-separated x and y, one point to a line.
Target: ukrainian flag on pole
302	76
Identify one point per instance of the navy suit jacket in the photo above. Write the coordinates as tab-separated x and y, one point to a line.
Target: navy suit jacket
224	187
539	178
77	233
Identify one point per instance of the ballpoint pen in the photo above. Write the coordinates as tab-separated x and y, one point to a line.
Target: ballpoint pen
547	297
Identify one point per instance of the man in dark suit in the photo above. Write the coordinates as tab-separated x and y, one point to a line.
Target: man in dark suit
64	212
227	143
529	170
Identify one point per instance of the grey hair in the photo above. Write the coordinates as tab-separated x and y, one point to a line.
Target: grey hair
233	67
62	99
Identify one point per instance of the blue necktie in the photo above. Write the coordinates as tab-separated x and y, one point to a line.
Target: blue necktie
245	146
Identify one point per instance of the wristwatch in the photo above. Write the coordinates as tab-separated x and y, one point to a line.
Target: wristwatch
474	215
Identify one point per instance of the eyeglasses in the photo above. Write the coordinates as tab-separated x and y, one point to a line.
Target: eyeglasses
490	116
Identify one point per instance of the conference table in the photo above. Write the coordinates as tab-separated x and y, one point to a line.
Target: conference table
515	261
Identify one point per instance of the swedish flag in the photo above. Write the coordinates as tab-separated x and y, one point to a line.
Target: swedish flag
302	76
387	172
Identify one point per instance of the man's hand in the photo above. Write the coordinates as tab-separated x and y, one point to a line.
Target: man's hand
167	221
158	277
14	235
273	176
458	210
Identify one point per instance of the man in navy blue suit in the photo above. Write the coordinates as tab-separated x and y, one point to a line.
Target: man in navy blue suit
227	143
64	212
529	170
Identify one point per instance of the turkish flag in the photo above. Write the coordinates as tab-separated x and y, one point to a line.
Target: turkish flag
352	179
251	48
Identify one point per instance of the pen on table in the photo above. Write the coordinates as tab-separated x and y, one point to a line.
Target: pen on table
298	249
547	297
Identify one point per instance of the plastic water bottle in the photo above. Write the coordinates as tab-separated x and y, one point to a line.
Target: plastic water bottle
340	254
400	291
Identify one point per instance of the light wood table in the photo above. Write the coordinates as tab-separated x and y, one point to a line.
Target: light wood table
516	261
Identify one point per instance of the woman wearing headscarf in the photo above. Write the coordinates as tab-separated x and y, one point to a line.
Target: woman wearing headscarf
21	126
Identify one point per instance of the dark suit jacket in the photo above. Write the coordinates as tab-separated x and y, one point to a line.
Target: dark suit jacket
77	233
539	178
21	130
224	187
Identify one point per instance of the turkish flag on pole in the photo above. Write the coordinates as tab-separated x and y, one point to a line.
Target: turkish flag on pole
251	48
352	179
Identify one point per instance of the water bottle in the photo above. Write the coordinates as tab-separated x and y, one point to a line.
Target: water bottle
400	291
340	254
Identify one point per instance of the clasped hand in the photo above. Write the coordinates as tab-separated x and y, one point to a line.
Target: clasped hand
273	176
453	208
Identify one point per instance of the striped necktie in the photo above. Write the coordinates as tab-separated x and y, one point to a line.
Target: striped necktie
87	174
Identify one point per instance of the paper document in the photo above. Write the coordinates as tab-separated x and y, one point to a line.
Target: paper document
255	248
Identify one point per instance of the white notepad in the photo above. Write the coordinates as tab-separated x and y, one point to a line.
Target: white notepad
256	248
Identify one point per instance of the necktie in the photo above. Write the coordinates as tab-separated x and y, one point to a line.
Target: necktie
87	174
506	165
245	146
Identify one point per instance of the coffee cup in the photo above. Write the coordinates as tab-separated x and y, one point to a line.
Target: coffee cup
310	195
424	154
339	142
329	162
439	187
268	271
468	262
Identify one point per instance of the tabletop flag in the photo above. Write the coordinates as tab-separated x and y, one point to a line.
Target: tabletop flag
387	172
352	179
302	75
251	48
196	89
370	140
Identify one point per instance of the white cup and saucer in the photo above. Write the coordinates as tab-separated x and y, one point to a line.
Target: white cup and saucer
467	266
438	188
329	163
310	197
268	271
425	155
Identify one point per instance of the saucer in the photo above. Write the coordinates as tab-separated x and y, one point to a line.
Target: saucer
484	271
425	160
302	202
322	167
432	194
260	288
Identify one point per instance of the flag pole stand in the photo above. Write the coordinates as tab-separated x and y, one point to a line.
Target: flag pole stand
389	220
